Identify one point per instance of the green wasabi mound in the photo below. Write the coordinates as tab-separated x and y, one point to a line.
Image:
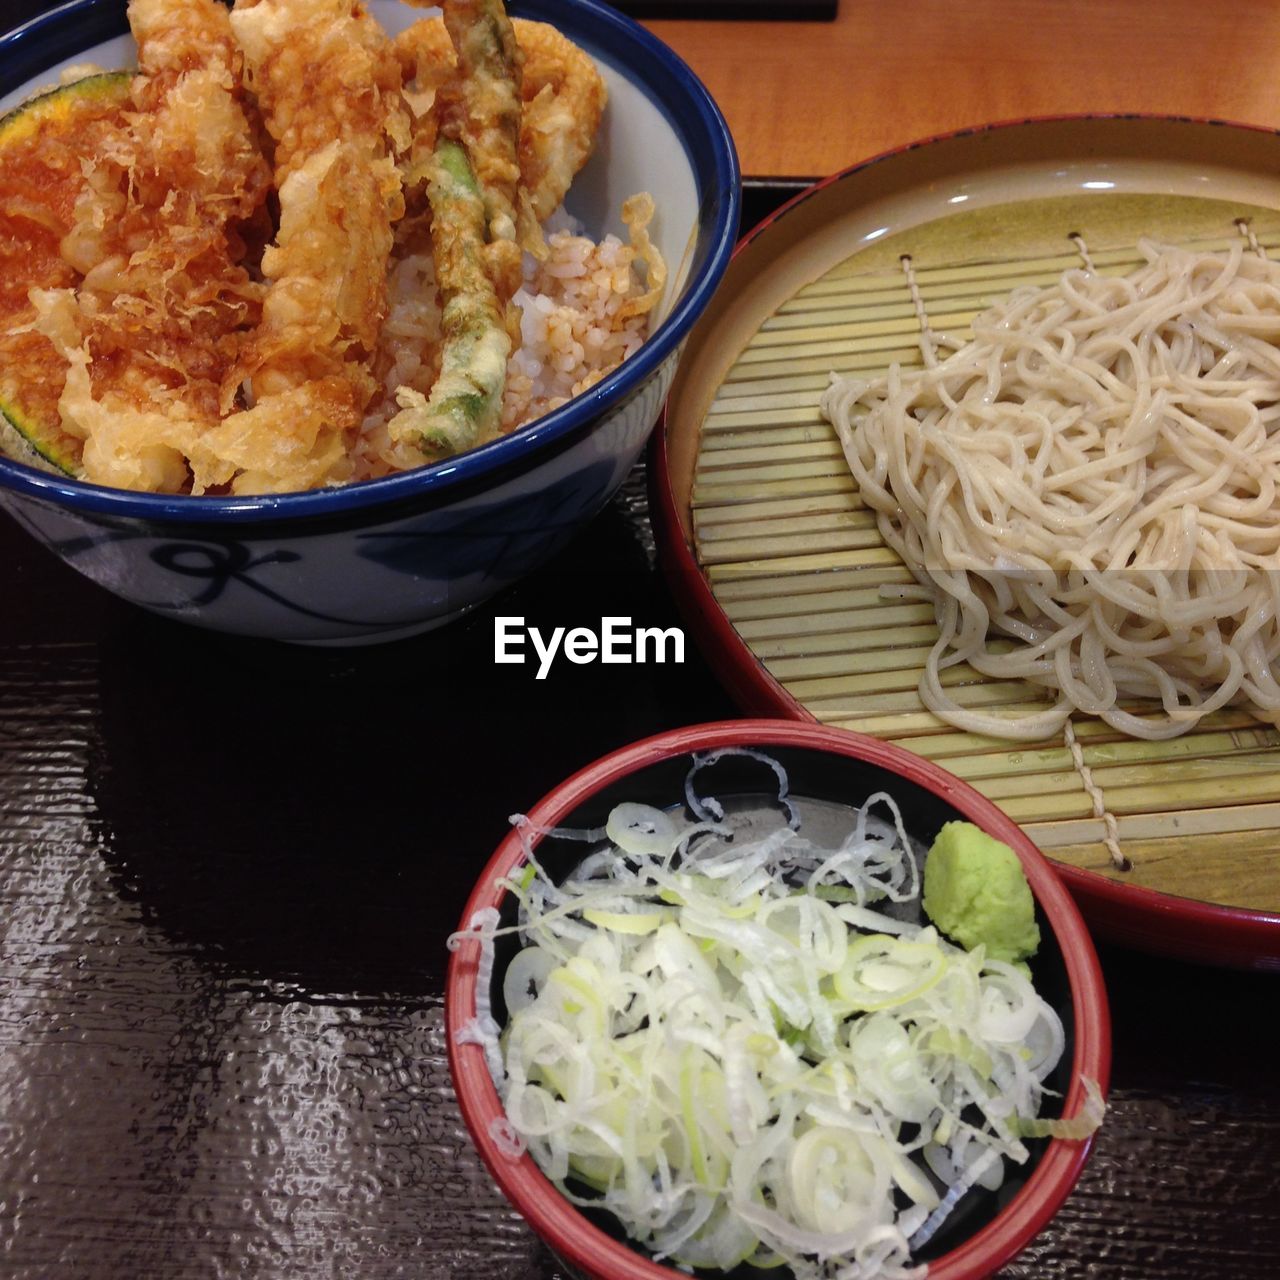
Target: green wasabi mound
975	891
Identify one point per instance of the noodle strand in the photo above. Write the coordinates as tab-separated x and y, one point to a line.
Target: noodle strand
1095	475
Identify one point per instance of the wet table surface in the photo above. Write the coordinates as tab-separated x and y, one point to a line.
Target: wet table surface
227	873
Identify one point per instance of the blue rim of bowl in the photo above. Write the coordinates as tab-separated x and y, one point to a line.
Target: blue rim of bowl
62	32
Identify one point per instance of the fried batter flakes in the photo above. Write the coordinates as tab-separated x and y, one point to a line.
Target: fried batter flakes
40	181
213	344
563	97
328	86
158	234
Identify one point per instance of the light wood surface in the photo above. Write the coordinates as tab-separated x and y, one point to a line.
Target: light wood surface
805	99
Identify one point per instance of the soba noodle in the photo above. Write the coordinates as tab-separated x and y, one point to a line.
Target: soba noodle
1088	493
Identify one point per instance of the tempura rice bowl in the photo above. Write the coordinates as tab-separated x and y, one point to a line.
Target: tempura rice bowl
388	557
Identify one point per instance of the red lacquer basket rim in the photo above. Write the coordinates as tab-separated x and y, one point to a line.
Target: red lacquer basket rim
1132	915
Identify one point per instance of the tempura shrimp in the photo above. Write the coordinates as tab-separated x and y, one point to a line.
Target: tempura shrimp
328	86
564	100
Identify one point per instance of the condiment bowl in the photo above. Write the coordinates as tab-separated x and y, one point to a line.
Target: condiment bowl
823	764
386	558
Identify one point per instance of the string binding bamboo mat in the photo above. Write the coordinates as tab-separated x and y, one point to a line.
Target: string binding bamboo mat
796	562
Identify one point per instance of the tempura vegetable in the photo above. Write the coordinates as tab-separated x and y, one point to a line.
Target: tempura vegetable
466	402
481	108
563	97
472	195
293	255
488	89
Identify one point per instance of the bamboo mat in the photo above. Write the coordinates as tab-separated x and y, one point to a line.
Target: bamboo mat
796	562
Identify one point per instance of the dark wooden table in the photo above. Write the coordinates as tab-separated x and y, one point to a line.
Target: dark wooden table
227	871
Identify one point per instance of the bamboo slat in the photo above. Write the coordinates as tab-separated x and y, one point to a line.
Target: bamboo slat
973	764
1203	861
852	538
753	414
887	631
862	558
808	506
974	750
770	426
981	696
801	383
867	357
909	727
810	675
765	596
785	526
830	632
729	490
819	444
904	678
1202	825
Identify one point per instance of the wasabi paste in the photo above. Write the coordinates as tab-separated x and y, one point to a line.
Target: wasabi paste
976	892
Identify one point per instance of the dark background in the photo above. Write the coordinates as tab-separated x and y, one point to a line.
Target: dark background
227	871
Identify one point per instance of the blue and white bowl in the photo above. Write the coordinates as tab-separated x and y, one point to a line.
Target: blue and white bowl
386	558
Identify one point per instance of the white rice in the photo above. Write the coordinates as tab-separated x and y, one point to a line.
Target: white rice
571	336
571	332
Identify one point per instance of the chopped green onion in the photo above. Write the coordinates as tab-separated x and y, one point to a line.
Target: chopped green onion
715	1037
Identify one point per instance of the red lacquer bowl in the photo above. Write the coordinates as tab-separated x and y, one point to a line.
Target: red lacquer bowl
823	764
